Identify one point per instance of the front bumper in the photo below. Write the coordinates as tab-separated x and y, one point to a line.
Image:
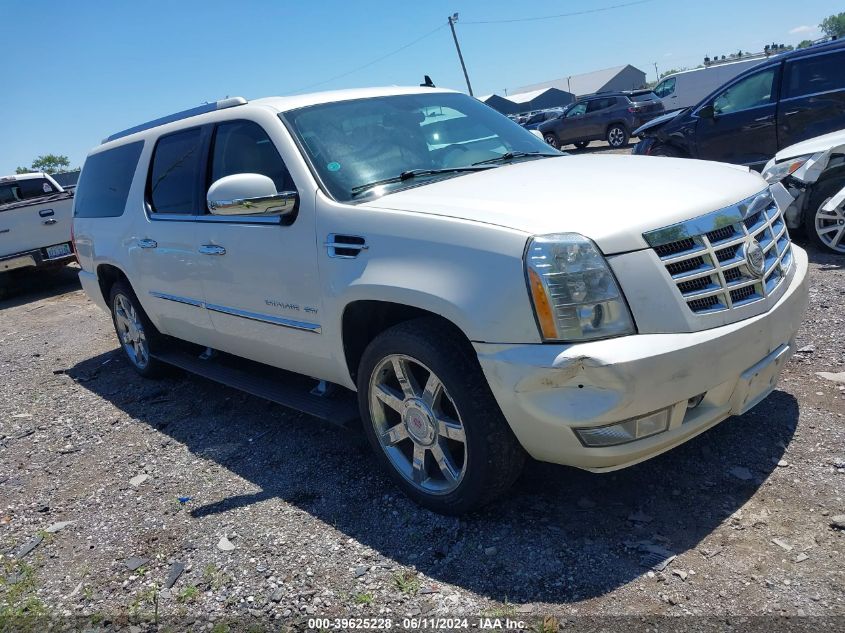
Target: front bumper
545	391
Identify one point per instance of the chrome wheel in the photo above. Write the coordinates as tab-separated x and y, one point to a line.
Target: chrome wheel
616	136
417	424
830	227
130	331
551	139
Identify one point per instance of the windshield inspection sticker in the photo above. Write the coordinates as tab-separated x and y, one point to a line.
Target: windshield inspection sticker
333	166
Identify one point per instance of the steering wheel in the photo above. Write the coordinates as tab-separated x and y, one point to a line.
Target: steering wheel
449	153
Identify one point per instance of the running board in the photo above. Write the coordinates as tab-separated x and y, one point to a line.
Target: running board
277	385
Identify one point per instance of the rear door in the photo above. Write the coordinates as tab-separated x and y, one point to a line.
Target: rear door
34	215
742	129
163	245
596	120
812	97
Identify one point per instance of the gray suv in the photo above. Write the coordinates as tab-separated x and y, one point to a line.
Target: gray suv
604	116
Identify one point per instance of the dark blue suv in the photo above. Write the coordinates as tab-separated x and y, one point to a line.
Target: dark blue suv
783	100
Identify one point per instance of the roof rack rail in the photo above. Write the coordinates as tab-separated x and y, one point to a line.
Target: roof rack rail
178	116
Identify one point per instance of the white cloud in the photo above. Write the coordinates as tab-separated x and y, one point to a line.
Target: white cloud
803	30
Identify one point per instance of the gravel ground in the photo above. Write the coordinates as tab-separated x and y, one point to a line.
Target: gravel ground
274	517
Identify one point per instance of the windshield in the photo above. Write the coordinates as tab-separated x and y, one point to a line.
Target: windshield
355	143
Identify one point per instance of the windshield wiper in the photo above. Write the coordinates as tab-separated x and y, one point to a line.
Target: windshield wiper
508	156
413	173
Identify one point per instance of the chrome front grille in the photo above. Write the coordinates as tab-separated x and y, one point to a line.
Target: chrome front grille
714	260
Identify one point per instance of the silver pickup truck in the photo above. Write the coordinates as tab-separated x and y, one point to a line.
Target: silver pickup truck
36	216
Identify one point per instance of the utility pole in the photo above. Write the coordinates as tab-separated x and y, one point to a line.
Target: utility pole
452	19
656	74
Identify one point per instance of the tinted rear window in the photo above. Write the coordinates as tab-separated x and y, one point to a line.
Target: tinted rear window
649	96
812	75
18	190
105	180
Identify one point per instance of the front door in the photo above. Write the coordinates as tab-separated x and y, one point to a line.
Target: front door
742	129
573	125
812	97
259	273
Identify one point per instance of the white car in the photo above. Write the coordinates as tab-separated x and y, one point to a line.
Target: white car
412	256
35	222
808	179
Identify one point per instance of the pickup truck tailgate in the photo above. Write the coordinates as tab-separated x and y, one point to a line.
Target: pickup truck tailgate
35	224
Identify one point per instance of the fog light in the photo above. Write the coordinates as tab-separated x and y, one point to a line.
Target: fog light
627	431
693	402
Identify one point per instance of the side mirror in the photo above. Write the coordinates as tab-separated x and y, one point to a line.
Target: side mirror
249	194
707	112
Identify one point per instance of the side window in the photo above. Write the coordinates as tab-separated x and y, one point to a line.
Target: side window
753	91
665	87
577	110
105	180
243	147
174	172
815	74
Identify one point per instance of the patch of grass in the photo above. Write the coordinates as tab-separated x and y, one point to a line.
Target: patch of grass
363	598
213	577
188	594
220	627
548	624
505	610
19	607
407	582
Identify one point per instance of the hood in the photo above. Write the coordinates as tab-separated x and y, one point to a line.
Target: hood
657	122
812	145
611	199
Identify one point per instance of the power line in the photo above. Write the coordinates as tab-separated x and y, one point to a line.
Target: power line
373	62
560	15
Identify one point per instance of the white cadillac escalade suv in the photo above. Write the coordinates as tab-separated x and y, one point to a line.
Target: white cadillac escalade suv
486	296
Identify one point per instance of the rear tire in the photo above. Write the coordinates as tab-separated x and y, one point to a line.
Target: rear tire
551	139
617	136
581	144
136	334
431	419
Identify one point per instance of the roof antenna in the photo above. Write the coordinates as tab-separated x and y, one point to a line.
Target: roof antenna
427	83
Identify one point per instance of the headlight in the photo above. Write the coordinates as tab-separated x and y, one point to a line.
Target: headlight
575	294
781	170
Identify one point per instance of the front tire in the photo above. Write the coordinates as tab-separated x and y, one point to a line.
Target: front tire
136	334
826	228
431	419
617	136
667	151
551	139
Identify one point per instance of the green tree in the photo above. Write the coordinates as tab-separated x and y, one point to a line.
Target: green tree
805	43
834	25
48	163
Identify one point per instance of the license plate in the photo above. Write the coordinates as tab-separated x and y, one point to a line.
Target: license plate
60	250
759	381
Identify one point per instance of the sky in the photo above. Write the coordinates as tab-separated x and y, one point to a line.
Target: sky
76	72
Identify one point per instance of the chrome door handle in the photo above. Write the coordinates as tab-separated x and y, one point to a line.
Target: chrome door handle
50	221
147	243
212	249
792	112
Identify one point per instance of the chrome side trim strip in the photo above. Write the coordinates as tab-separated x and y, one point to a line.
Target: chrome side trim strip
177	299
266	318
215	219
253	316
